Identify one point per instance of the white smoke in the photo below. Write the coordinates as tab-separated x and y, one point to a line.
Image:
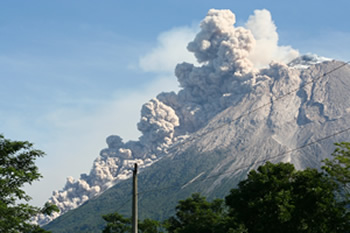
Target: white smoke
171	49
158	122
266	36
228	56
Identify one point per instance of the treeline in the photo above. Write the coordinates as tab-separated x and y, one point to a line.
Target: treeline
276	198
273	199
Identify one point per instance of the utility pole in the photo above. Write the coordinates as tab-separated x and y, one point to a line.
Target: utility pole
134	201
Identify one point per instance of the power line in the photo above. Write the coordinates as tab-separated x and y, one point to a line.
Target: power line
247	166
255	110
236	169
236	119
260	107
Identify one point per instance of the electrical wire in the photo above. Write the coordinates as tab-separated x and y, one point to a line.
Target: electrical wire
255	110
250	165
238	118
258	108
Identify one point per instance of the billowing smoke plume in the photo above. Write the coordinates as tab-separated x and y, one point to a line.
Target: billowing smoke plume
158	122
172	42
227	73
266	36
224	47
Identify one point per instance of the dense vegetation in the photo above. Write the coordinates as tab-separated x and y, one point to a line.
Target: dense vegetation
17	167
275	198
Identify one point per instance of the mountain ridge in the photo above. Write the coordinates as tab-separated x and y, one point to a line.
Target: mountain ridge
225	89
222	157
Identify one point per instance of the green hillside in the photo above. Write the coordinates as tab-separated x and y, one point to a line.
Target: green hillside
160	186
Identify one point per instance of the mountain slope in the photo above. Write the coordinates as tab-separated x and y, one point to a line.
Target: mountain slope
160	188
229	106
296	112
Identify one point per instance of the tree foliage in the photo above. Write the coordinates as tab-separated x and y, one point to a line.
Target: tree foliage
150	226
117	223
197	215
275	198
338	169
17	168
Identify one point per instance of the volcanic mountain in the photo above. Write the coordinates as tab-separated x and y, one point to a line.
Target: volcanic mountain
235	111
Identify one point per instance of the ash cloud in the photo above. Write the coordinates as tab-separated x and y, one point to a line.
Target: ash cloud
223	46
228	58
265	33
170	50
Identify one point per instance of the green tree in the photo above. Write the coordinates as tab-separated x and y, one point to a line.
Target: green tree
17	168
277	198
116	223
274	198
150	226
197	215
338	169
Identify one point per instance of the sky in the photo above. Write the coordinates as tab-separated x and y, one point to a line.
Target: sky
74	72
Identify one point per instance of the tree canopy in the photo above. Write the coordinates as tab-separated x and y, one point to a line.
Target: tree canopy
338	169
17	167
275	198
197	215
117	223
278	198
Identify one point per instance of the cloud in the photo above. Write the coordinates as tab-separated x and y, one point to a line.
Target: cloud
265	33
170	50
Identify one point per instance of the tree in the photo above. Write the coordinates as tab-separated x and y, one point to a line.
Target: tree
17	168
150	226
197	215
116	223
338	169
277	198
193	215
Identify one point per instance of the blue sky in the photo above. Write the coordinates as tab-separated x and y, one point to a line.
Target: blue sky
74	72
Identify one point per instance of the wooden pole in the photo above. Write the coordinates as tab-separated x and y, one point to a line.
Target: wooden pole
134	202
